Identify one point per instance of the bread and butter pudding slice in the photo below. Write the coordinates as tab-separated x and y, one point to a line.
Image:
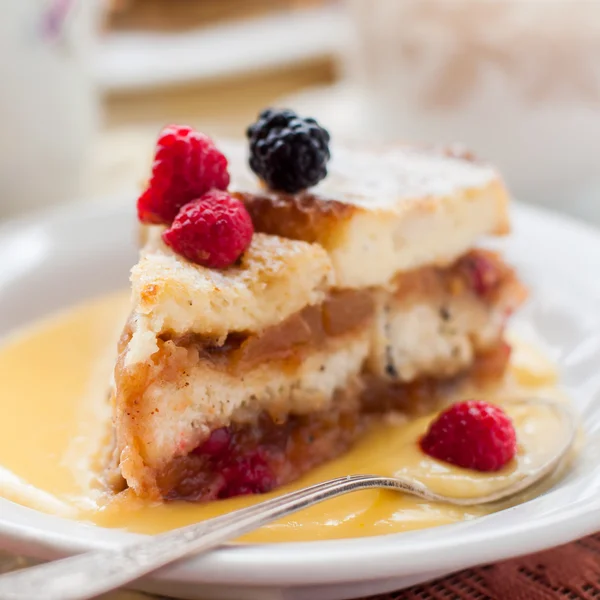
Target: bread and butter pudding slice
357	297
248	347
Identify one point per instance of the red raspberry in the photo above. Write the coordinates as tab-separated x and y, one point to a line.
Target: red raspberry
213	231
483	272
474	435
217	443
186	165
247	474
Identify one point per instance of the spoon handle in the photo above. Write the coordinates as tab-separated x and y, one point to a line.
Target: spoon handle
93	573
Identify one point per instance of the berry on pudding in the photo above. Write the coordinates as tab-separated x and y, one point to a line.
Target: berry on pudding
288	152
186	165
473	435
212	231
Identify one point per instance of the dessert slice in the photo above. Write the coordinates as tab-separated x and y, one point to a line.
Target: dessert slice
211	361
359	297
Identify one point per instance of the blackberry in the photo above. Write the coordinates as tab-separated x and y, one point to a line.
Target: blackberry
289	153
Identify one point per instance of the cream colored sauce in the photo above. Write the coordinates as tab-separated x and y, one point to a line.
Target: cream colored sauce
55	419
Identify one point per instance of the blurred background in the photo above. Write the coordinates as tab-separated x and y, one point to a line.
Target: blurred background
87	84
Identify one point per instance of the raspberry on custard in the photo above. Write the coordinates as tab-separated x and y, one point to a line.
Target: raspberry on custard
473	435
186	165
213	231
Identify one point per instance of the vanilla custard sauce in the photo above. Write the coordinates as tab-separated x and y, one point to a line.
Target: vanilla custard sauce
55	423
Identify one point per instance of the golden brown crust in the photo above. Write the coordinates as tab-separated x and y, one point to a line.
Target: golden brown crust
128	414
386	210
311	217
304	216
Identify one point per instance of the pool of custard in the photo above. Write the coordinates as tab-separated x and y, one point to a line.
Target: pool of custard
55	420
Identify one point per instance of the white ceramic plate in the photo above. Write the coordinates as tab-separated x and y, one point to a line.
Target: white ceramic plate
62	257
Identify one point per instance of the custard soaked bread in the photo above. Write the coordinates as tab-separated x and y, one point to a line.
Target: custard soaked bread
274	279
205	349
382	212
403	220
349	297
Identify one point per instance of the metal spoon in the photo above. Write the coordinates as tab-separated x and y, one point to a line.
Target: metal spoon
87	575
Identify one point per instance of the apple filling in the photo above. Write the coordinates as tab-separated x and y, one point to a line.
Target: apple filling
256	458
203	421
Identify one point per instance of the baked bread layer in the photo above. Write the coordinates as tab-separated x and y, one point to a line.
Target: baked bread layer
383	211
169	405
274	279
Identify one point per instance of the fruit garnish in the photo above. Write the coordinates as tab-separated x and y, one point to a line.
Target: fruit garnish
289	153
186	165
241	472
213	231
246	475
482	271
217	444
473	435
